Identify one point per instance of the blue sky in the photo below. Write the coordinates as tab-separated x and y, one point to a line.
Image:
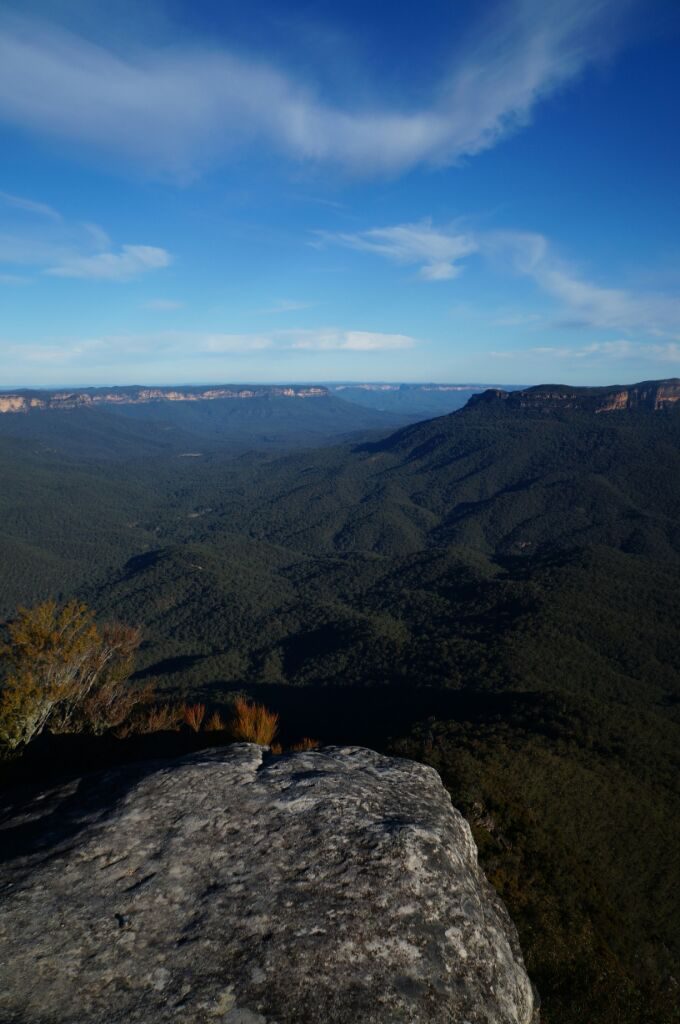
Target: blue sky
318	191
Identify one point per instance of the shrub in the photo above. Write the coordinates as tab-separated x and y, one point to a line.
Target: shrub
159	718
59	669
215	723
305	744
194	715
254	723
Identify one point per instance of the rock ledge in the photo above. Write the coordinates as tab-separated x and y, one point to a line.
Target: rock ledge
332	886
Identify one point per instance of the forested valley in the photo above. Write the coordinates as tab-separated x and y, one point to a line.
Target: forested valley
495	592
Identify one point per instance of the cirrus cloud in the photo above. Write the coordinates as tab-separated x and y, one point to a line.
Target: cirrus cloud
166	346
62	249
437	251
440	252
349	341
181	109
618	350
163	305
130	261
29	206
584	303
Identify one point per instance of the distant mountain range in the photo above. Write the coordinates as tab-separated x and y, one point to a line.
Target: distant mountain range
255	416
28	400
139	421
189	420
419	401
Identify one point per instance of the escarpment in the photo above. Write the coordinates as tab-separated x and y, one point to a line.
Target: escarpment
332	886
653	395
28	401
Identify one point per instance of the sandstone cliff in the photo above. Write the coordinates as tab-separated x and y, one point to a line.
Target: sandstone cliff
653	395
335	886
26	401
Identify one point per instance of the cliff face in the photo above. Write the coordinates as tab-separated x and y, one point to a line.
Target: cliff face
653	395
335	886
25	401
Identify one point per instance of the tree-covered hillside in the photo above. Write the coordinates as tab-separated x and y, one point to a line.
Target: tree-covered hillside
496	591
191	428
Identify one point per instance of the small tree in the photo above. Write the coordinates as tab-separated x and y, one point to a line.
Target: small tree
59	669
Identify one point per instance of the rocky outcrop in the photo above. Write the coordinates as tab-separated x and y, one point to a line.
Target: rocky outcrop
334	886
26	401
653	395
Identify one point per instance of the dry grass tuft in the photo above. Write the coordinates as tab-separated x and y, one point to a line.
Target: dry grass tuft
215	723
158	718
305	744
164	718
194	715
254	723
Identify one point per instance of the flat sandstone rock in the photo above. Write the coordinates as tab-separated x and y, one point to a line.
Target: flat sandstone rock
334	886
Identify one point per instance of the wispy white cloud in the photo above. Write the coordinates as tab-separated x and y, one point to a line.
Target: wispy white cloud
668	353
13	280
154	346
130	261
180	109
583	302
440	253
29	206
618	350
352	341
286	306
62	249
437	251
57	354
99	238
163	305
219	344
518	319
168	346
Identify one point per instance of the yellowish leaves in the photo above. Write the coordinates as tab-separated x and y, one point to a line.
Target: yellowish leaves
59	669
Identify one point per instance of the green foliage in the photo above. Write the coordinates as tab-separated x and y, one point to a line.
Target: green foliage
575	818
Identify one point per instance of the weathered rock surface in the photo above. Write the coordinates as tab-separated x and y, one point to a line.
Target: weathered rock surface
330	886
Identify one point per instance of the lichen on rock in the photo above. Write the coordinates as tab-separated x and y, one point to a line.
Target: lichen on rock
329	886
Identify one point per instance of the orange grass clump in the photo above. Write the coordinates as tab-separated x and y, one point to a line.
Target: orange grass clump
305	744
157	718
215	723
163	718
254	723
194	715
